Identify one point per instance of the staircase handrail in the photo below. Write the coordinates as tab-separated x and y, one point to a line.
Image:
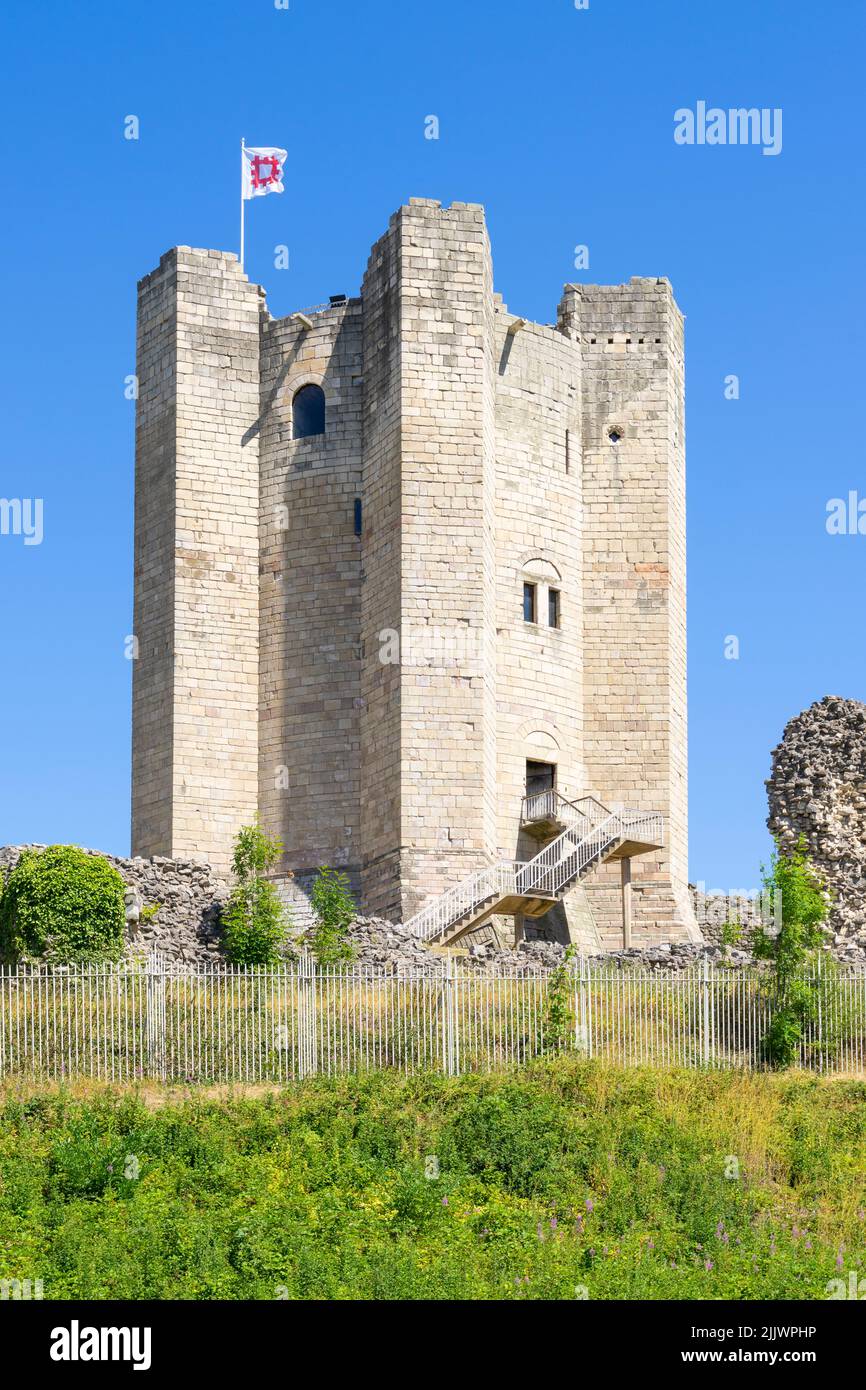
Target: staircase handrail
552	804
545	874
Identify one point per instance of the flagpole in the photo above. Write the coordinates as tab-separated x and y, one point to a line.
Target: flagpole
242	202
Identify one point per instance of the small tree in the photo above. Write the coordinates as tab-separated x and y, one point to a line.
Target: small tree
799	903
732	932
558	1018
256	923
334	910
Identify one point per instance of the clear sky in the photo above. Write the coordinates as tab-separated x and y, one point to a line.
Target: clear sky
559	120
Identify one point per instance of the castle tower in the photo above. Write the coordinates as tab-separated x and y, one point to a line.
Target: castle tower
196	620
428	726
630	338
401	558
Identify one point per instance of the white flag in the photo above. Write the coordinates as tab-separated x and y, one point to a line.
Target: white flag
263	171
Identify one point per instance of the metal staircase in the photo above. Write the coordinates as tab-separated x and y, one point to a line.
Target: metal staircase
585	834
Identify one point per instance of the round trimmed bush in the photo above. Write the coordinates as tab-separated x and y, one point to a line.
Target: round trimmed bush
60	904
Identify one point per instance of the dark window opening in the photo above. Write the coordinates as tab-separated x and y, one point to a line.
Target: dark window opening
540	777
358	516
529	592
553	608
308	412
567	452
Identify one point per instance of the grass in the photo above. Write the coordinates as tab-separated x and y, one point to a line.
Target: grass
565	1179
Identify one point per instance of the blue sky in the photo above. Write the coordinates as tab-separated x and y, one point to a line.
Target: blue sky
561	122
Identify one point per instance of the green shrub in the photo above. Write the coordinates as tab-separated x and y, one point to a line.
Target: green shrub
256	924
62	905
334	909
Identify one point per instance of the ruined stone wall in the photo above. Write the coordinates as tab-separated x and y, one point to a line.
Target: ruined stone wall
188	896
714	911
817	789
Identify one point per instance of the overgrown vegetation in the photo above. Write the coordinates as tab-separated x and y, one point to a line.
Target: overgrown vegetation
565	1180
799	904
557	1024
255	923
334	910
62	905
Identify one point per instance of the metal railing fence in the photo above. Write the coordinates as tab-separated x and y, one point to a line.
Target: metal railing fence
211	1024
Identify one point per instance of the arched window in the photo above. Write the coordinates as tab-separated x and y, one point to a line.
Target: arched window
308	412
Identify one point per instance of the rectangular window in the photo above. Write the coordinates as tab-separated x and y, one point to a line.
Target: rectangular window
553	608
358	516
529	603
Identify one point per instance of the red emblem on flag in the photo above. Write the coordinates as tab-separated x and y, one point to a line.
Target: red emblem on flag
259	164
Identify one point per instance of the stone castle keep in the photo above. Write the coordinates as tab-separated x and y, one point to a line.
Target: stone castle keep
404	560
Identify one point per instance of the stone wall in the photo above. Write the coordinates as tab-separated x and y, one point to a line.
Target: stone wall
630	339
190	895
817	789
713	910
429	553
381	751
310	592
186	928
